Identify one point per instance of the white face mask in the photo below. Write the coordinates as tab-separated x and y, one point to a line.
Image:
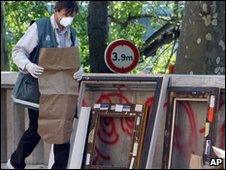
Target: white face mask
66	21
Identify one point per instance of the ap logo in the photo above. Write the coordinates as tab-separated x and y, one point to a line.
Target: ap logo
221	157
216	161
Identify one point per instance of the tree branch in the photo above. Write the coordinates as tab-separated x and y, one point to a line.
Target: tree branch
163	29
165	38
129	19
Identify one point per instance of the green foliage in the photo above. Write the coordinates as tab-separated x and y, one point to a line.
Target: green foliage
158	63
132	32
19	14
80	24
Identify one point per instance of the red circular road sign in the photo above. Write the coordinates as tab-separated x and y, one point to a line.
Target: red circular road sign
121	56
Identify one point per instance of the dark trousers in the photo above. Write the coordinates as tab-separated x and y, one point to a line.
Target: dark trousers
29	141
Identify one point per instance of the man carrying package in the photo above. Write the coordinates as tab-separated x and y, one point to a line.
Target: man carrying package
54	32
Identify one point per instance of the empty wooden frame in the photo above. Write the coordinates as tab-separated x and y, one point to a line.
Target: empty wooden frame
208	98
115	137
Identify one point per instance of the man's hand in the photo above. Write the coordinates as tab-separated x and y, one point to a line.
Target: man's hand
34	69
78	75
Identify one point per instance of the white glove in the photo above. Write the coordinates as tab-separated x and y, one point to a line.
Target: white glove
78	75
219	152
34	69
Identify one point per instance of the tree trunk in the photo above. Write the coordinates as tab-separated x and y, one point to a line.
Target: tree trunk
4	57
202	40
98	34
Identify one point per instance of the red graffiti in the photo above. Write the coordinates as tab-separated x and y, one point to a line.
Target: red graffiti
202	130
107	132
149	102
177	137
109	96
109	137
192	140
127	125
84	103
100	155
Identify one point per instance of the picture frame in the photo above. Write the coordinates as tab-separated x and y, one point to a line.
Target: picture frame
105	139
191	94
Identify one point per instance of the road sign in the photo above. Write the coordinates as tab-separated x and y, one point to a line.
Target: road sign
121	56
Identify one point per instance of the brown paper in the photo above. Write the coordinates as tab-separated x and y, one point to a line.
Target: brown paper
195	162
59	93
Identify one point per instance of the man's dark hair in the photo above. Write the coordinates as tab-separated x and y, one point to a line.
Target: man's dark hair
69	6
32	21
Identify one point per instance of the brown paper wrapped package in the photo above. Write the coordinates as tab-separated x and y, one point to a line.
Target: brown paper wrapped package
59	93
195	162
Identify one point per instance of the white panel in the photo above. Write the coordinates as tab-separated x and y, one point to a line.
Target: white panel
77	147
159	115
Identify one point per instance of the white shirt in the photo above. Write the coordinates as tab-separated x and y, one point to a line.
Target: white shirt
27	43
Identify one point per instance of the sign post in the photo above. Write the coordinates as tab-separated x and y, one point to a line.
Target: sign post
121	56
